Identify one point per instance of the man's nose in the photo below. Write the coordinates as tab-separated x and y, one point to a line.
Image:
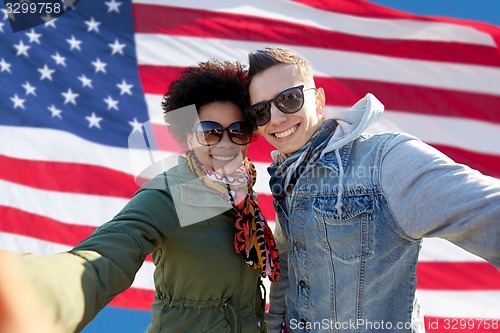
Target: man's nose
277	117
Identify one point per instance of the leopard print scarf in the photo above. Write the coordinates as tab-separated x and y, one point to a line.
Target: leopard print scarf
253	239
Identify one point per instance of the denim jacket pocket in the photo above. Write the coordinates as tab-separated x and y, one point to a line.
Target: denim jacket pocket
348	235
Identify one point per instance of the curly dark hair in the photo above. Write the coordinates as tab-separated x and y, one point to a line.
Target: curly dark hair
211	81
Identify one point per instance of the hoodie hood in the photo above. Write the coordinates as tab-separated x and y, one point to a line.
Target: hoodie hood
353	121
350	124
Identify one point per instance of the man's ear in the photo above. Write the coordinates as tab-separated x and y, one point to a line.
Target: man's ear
320	100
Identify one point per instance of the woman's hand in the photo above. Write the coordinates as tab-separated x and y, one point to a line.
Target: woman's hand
21	309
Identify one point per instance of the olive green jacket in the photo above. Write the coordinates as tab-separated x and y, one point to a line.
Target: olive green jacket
201	284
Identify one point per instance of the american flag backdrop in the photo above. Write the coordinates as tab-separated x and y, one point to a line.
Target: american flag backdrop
73	89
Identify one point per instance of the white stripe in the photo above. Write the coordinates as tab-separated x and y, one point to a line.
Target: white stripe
296	13
59	146
460	304
153	103
165	50
144	277
436	249
262	185
447	304
469	134
18	243
455	304
74	208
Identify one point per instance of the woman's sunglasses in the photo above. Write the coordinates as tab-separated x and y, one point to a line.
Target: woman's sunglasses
209	133
288	101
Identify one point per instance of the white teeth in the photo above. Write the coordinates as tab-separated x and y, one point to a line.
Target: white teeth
286	133
223	158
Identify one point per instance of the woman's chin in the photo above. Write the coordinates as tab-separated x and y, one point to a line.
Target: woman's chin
227	167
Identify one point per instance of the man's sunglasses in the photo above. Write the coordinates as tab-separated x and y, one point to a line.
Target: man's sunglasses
288	101
209	133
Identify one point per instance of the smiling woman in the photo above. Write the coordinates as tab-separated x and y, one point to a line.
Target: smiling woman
222	152
199	220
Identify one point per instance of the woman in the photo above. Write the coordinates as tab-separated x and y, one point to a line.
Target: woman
199	220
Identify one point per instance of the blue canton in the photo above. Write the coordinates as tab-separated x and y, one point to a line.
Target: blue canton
77	73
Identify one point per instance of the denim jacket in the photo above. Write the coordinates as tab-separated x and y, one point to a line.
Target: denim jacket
354	269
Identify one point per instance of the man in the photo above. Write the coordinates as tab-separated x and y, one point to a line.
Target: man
352	209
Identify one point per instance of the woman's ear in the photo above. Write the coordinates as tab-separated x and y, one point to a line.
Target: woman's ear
190	140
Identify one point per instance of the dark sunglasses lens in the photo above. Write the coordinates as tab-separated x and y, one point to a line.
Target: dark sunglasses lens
259	113
208	133
290	101
240	132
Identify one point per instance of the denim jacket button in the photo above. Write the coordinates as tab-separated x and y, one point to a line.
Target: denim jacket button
303	284
299	245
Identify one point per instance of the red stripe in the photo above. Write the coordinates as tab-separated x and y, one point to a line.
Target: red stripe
260	151
165	140
395	96
141	299
434	275
266	206
67	177
358	8
370	10
134	298
466	275
156	79
463	325
485	163
212	24
413	98
19	222
457	276
488	164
